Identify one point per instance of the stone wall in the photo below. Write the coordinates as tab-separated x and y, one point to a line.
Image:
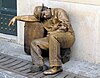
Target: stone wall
84	18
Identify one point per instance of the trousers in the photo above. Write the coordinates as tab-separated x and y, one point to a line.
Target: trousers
53	42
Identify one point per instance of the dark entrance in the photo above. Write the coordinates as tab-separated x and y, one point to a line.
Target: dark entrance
8	9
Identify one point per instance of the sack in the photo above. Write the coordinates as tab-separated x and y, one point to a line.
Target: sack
32	30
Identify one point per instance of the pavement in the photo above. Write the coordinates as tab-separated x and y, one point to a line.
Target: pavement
76	66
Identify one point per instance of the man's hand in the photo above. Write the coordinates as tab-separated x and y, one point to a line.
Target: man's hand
12	21
54	32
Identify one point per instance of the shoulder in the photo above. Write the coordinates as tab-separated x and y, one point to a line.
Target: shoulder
61	13
59	10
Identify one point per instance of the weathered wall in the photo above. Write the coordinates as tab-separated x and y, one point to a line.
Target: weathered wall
85	21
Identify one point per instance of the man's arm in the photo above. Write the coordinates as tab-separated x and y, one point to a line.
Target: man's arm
64	20
25	18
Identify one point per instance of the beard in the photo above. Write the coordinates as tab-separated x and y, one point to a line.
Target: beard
42	18
48	16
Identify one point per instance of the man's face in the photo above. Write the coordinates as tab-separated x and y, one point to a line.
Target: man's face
46	14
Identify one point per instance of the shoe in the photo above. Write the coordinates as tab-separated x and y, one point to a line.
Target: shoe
36	68
53	70
45	67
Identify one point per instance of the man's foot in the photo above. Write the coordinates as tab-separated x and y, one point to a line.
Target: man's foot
53	70
36	68
45	67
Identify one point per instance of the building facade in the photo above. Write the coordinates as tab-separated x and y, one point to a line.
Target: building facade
84	16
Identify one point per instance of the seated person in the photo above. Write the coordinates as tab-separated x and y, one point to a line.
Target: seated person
59	35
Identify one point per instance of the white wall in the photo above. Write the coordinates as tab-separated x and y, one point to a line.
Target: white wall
85	21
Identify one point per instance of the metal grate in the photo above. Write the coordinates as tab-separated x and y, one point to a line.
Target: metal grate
22	67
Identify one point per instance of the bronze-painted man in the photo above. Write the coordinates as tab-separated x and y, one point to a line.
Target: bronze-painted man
59	35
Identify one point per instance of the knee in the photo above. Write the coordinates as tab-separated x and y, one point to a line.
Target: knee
33	43
53	36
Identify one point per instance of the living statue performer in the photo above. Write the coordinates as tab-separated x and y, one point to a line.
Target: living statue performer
59	35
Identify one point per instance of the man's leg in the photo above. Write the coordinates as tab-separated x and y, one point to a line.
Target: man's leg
54	55
57	41
36	46
54	51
